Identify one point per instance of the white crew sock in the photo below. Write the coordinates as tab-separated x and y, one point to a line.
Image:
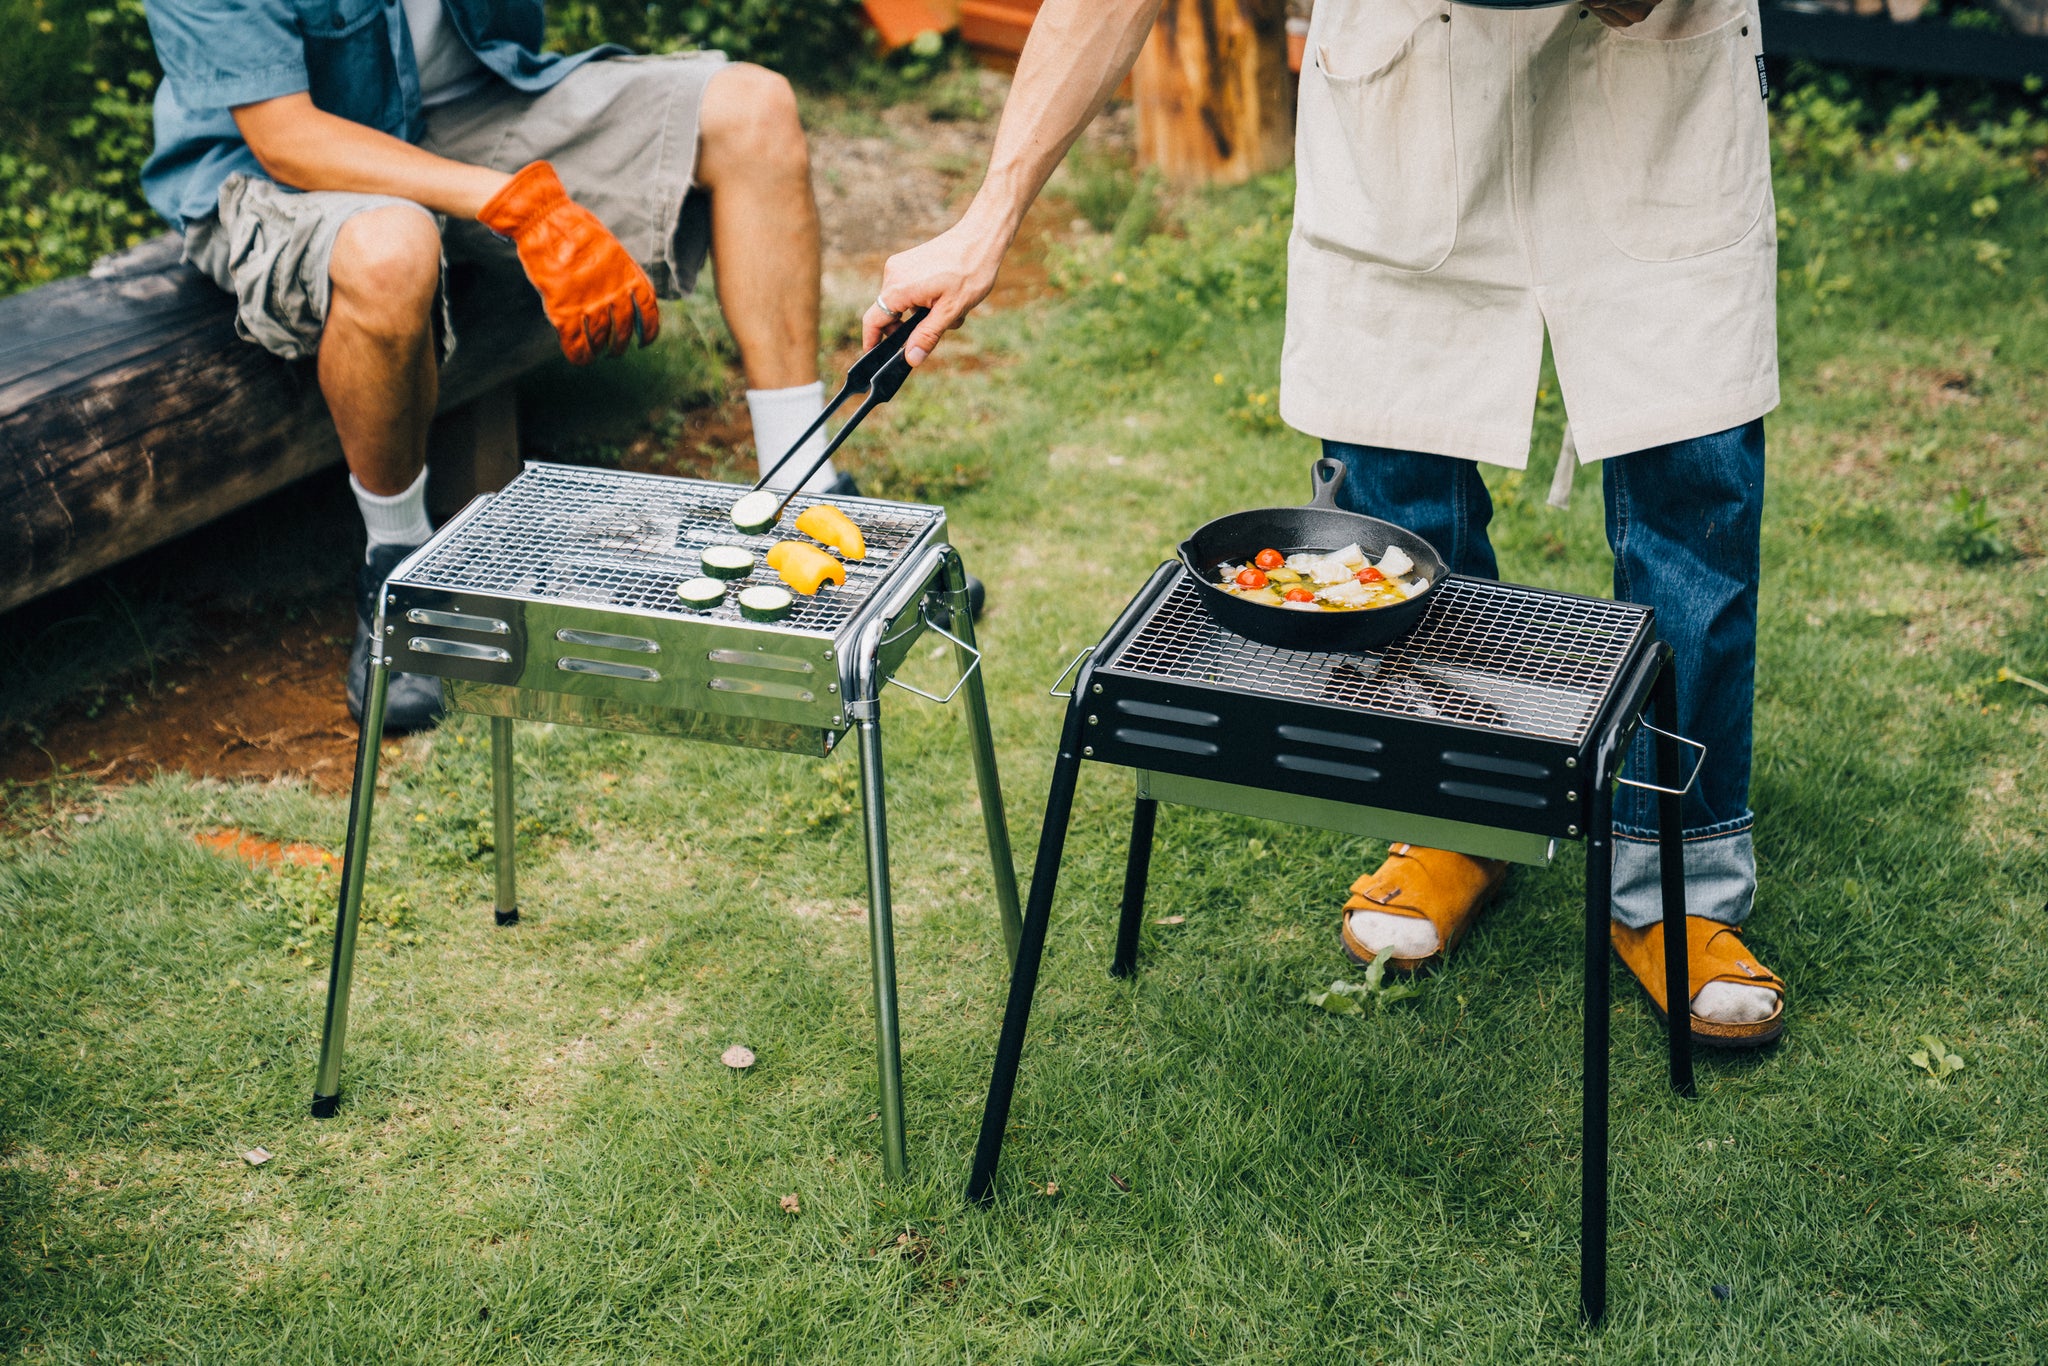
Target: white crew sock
1407	936
394	519
780	416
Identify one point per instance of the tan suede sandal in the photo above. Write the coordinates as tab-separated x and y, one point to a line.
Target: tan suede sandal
1448	890
1714	953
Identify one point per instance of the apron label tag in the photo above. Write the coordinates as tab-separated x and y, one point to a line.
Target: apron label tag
1763	82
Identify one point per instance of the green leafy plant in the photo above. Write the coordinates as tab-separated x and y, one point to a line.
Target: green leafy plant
1935	1058
1972	532
1355	998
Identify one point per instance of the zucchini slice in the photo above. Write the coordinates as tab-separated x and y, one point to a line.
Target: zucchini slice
756	512
766	603
702	594
727	561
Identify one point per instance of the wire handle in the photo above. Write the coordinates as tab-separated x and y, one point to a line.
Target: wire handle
965	674
1072	664
1690	778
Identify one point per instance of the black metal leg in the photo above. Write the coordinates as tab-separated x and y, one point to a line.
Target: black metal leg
1143	816
1671	867
1052	841
1593	1143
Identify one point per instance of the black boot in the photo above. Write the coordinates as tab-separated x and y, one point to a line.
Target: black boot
940	611
411	701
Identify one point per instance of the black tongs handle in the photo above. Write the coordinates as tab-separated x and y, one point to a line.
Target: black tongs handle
879	372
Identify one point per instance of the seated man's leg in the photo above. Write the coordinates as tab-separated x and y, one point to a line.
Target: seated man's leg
380	376
1684	520
1420	902
353	279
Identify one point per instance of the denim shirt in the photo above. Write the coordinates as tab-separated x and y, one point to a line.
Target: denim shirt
354	56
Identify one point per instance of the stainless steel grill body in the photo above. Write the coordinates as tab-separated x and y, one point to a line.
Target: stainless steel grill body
1496	727
555	600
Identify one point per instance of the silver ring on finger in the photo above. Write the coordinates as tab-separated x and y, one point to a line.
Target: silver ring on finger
883	304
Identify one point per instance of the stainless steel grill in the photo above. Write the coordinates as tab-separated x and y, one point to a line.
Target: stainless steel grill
604	538
555	600
1490	655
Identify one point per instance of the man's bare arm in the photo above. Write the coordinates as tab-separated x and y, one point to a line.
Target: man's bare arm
308	149
1079	52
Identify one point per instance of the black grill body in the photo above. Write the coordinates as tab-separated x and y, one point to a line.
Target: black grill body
1496	727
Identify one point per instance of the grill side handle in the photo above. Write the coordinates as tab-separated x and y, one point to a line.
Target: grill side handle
1628	700
1120	630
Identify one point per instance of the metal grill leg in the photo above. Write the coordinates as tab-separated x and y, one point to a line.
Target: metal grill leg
882	946
1671	869
502	816
1001	861
1052	841
1593	1145
355	857
1144	813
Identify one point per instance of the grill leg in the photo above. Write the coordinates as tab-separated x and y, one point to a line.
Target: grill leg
882	945
1001	860
1052	840
355	857
1593	1145
1144	813
1671	869
507	907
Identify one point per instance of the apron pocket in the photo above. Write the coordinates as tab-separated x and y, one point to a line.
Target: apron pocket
1379	164
1674	148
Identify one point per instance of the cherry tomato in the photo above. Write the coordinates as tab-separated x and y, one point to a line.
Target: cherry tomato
1269	559
1371	575
1300	595
1249	577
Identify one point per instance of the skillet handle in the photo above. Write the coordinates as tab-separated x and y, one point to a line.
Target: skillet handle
1325	477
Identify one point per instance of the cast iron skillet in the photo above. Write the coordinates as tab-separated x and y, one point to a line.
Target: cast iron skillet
1321	526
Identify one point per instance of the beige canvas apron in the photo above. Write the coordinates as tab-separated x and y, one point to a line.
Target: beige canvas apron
1471	177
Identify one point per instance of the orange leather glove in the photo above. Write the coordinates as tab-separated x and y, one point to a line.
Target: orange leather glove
591	288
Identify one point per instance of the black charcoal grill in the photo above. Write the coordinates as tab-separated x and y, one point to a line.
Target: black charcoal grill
1495	728
555	600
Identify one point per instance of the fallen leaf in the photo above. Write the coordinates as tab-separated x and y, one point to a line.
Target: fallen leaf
739	1057
792	1205
1119	1182
256	1157
1171	920
1052	1190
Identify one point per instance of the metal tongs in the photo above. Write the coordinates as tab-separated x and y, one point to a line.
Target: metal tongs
880	373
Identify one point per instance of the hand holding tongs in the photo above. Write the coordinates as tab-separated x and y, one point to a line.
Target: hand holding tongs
881	373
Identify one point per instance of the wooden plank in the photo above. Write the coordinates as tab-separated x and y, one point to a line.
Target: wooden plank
1932	49
130	413
1212	90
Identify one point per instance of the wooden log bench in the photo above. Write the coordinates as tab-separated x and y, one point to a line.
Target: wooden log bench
131	413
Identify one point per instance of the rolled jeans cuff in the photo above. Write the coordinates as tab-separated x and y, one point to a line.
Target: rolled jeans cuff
1720	878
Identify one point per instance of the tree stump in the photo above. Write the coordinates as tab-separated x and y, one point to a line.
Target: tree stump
1213	97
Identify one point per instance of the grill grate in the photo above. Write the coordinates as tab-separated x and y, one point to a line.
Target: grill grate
607	538
1492	655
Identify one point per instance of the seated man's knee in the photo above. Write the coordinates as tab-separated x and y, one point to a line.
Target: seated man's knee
385	269
750	119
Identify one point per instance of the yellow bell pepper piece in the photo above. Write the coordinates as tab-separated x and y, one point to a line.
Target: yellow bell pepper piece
825	523
805	568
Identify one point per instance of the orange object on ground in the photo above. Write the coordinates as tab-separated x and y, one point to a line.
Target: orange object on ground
592	288
262	853
1448	890
898	22
997	25
1714	953
805	568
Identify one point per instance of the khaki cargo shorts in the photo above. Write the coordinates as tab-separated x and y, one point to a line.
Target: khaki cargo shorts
621	132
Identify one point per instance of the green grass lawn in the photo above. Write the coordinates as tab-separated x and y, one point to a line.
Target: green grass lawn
540	1157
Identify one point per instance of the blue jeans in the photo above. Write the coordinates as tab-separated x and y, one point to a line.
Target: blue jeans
1683	521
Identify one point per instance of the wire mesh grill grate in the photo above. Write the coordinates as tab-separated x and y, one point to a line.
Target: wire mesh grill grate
609	538
1492	655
